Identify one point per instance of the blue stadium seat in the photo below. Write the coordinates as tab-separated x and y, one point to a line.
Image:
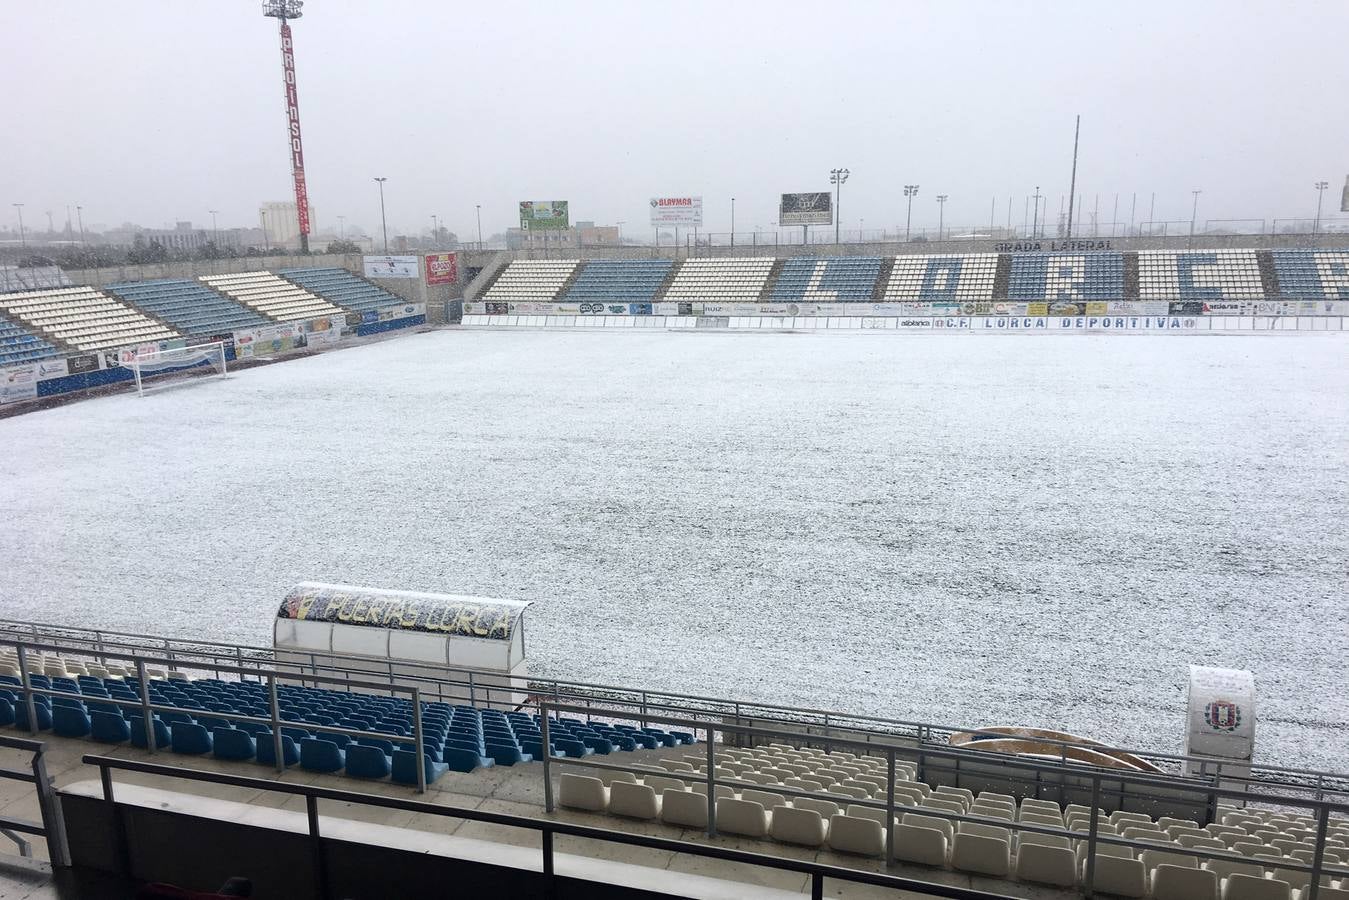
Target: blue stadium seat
290	754
367	762
321	756
189	306
233	744
405	767
137	725
70	721
831	279
618	281
189	738
110	728
341	288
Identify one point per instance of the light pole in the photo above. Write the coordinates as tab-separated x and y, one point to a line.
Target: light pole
435	232
732	221
215	232
384	224
910	191
1194	211
479	208
941	213
23	241
1035	216
1320	190
836	178
79	216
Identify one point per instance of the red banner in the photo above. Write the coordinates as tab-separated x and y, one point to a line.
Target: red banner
293	125
442	268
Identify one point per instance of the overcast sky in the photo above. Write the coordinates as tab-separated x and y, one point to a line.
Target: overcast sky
157	111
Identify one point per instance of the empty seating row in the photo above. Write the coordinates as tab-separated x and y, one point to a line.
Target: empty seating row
727	279
1039	277
1307	274
341	288
189	306
455	738
1199	275
828	279
934	279
272	296
539	280
17	345
847	815
84	318
628	280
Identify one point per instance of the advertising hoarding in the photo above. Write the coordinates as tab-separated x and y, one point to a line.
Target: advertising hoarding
442	268
685	212
544	215
807	209
390	266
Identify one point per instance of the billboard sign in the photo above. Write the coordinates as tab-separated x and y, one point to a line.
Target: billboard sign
807	209
390	266
677	211
544	215
293	127
442	268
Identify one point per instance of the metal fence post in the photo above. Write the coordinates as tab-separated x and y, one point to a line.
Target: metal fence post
472	691
147	715
417	737
1319	854
642	719
27	689
53	822
711	785
890	807
311	805
547	842
274	709
1092	831
546	745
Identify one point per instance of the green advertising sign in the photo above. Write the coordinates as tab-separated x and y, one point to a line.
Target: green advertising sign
544	215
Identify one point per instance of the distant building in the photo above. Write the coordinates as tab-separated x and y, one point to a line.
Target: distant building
281	225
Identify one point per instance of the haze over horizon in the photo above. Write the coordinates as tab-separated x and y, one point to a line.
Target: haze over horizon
149	117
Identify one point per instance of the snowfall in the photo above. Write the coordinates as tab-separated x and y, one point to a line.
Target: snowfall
958	529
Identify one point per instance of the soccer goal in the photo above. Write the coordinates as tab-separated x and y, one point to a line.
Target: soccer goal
158	368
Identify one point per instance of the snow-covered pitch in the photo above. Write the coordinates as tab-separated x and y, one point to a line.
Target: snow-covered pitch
965	531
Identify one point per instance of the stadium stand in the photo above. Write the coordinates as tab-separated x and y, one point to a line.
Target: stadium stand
18	346
340	287
539	280
189	306
1059	276
943	278
730	279
459	738
1306	274
619	280
1199	275
827	280
924	834
84	318
272	296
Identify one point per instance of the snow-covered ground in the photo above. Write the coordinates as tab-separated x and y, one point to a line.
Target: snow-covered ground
971	531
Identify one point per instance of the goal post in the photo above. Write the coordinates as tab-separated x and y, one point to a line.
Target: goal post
154	368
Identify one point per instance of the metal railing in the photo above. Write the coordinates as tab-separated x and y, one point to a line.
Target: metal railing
1101	782
276	721
52	826
547	829
484	687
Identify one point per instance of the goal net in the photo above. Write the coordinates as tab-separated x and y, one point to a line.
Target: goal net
158	368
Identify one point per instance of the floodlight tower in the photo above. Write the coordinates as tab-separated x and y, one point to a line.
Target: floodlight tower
284	10
836	178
